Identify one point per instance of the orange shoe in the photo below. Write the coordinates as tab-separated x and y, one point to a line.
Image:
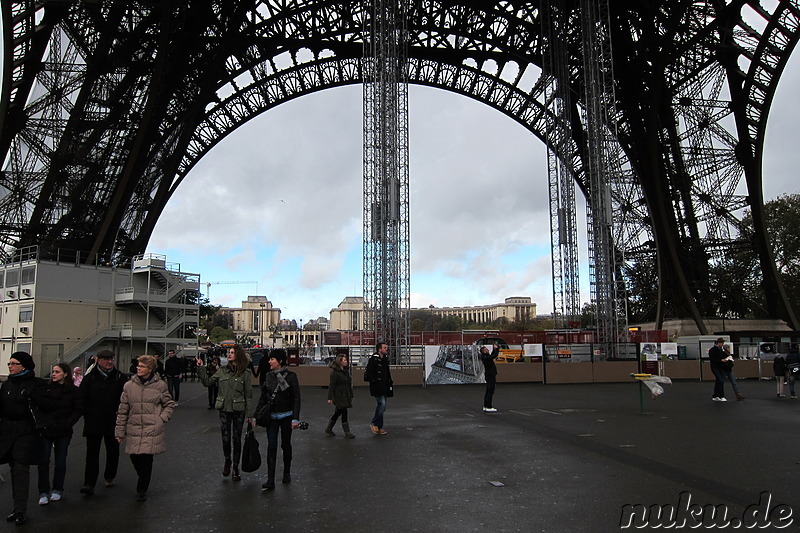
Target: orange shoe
375	429
382	431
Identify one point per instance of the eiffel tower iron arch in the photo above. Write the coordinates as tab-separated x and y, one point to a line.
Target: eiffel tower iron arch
136	94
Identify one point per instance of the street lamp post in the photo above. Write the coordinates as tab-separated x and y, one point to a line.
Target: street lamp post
299	333
261	325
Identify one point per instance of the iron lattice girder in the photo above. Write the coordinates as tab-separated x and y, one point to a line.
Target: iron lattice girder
223	53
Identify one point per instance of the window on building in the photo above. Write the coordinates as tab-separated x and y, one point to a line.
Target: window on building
28	275
354	324
2	278
26	313
12	278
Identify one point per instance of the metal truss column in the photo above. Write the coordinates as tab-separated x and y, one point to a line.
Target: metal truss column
386	235
607	289
561	179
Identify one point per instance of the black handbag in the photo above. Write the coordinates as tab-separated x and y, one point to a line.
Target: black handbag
251	457
44	423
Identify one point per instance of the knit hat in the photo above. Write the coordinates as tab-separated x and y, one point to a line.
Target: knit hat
25	360
279	355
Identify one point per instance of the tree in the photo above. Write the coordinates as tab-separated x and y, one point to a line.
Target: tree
642	289
589	316
219	334
735	281
451	323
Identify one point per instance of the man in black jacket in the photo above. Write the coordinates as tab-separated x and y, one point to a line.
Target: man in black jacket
101	389
490	373
379	377
173	368
793	367
715	355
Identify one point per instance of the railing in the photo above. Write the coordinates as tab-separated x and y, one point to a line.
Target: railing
63	255
131	294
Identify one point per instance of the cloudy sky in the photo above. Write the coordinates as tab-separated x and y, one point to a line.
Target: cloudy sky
278	202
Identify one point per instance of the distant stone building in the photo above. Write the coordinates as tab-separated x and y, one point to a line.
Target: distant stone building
349	315
513	308
256	319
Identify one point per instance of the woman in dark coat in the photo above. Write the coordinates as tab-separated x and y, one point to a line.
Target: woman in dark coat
340	394
65	409
20	444
281	396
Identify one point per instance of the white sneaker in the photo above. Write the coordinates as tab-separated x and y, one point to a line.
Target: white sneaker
43	500
720	399
55	496
490	409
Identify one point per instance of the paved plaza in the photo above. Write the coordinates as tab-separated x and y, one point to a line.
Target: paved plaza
553	458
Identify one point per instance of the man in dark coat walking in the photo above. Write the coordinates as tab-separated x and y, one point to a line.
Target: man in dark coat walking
101	390
381	387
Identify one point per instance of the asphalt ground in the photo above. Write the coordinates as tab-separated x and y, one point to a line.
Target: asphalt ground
553	458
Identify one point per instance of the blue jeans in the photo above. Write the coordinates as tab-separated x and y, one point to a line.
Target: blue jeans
730	377
377	420
61	445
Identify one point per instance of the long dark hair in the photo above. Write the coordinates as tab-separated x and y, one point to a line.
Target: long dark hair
240	360
67	373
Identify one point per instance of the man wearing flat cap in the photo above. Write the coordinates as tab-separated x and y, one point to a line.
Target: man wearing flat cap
101	389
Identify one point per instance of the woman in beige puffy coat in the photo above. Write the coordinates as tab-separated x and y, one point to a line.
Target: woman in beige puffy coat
144	408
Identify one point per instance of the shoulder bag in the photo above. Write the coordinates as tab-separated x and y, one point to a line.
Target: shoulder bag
251	457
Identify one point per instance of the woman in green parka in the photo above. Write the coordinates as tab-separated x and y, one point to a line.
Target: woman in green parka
234	402
340	394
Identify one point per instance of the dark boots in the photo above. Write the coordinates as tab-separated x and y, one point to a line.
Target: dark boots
270	483
329	429
236	476
226	469
287	470
347	434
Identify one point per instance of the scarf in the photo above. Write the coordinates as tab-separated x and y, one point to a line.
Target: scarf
280	375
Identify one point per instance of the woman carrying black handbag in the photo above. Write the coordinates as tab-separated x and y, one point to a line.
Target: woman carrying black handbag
280	398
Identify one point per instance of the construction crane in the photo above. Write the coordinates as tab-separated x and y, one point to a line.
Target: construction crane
210	283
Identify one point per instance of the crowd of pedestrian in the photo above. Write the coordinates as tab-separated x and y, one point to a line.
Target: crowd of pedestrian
37	415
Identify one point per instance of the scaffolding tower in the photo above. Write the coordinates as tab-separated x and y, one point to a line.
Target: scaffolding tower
386	234
602	168
556	29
